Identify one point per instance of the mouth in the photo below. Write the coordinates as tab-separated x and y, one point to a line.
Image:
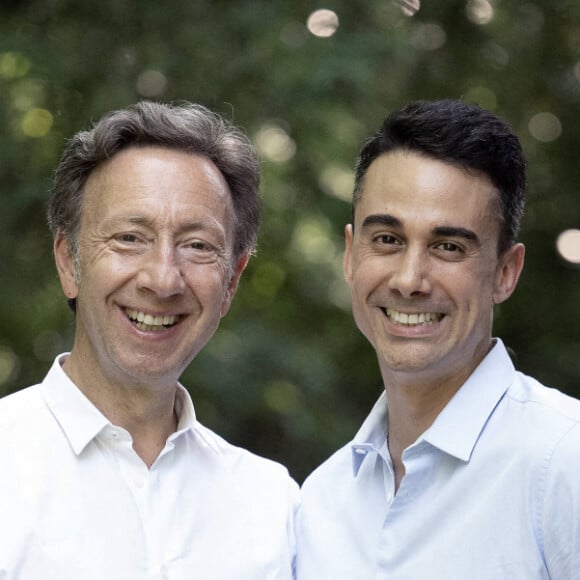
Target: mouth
150	323
412	319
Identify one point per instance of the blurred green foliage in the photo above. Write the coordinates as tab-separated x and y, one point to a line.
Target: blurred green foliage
288	374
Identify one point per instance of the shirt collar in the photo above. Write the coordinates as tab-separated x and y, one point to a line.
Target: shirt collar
372	435
81	421
457	428
187	421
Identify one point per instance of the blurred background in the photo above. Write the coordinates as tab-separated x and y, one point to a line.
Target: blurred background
288	375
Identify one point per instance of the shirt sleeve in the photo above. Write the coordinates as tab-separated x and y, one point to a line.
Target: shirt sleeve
560	521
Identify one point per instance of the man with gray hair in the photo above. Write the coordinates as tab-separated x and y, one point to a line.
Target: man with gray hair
107	474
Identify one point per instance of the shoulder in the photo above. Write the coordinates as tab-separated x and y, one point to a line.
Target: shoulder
21	407
29	437
551	422
326	476
553	408
235	459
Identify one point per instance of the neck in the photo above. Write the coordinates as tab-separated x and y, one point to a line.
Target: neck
146	412
412	409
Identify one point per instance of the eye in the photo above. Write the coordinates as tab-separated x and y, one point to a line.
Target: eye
386	239
199	245
127	238
128	242
199	250
449	247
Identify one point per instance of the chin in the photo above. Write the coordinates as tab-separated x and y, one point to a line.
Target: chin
411	360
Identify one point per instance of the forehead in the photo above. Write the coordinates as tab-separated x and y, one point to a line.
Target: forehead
161	182
414	187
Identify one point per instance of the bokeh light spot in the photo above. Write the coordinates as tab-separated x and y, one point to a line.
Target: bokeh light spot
568	245
151	83
282	396
14	65
545	127
312	238
323	23
337	181
339	294
47	345
274	143
496	54
27	94
37	123
479	11
482	96
428	36
9	364
226	346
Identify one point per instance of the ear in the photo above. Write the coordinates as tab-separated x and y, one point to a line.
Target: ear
508	271
347	259
65	265
241	264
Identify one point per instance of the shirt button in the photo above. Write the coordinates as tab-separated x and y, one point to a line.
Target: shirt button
360	451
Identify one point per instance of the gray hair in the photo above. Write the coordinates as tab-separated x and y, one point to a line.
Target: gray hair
186	127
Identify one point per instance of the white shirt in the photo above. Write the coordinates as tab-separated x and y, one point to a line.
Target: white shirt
491	491
77	503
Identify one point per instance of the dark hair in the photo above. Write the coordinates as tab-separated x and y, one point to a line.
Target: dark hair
461	134
186	127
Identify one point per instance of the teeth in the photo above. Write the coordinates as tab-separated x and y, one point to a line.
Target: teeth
417	318
149	322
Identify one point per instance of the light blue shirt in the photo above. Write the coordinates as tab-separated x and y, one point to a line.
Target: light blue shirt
491	491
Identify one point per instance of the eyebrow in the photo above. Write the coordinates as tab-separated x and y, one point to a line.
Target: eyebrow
381	219
456	232
446	231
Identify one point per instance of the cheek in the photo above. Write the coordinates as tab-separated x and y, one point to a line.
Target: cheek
112	269
209	281
368	275
479	301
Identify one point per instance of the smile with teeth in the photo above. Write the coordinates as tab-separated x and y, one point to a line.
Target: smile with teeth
149	322
412	319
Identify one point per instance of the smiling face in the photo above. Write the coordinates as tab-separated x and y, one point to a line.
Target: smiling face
155	266
424	270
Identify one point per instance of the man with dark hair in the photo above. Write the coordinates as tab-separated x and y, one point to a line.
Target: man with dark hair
465	467
107	473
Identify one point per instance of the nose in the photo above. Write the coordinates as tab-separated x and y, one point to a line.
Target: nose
160	272
410	276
